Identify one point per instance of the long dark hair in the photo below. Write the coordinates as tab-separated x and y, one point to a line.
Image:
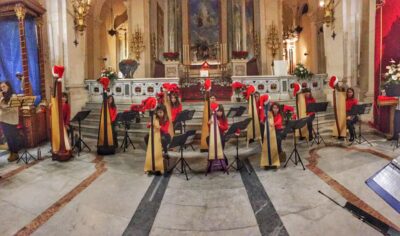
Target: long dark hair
279	108
65	95
7	95
177	103
112	105
350	89
221	108
164	109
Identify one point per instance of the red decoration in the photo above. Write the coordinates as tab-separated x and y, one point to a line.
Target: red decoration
205	66
58	71
264	99
214	106
171	55
296	88
249	91
149	103
207	85
333	82
240	54
104	81
165	87
237	132
237	85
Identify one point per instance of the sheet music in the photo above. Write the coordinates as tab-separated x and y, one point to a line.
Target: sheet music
389	180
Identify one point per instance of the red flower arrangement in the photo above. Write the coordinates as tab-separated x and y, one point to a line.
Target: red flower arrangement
173	56
240	54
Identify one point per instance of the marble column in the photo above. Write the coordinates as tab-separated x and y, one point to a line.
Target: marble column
185	33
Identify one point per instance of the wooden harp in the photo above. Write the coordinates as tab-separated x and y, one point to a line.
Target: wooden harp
60	146
105	138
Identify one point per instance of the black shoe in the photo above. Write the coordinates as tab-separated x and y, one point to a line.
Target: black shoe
251	140
310	138
302	138
351	139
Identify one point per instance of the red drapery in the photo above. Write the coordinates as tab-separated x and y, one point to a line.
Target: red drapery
387	47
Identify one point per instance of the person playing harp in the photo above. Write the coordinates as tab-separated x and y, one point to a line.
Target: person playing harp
269	154
339	108
218	125
253	130
301	110
205	130
60	145
105	141
158	138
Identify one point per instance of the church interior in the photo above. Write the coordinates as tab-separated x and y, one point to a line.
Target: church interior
199	117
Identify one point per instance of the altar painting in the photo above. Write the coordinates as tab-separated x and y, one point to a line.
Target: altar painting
204	25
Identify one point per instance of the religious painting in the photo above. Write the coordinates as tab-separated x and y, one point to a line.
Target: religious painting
250	26
160	31
237	25
204	26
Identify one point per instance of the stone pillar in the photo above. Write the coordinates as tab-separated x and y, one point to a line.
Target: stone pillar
224	32
139	18
185	33
270	12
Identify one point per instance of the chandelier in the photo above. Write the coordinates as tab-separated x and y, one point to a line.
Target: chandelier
81	9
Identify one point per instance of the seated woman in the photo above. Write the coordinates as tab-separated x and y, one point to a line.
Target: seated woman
176	107
162	117
309	99
113	115
278	122
9	120
351	120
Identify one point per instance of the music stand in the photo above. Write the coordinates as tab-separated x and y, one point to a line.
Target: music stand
242	125
179	141
317	107
80	116
235	112
24	102
358	110
293	125
181	119
126	118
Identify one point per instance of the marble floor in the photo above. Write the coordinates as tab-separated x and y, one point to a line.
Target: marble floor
111	195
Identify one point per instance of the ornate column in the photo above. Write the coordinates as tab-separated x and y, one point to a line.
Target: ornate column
185	32
39	24
224	32
20	11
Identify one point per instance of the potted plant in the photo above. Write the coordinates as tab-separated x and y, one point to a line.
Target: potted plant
301	72
171	56
110	74
240	54
237	88
392	79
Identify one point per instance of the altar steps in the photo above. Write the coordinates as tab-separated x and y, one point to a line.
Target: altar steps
137	131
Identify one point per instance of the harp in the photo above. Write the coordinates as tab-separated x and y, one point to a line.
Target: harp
60	146
253	130
105	139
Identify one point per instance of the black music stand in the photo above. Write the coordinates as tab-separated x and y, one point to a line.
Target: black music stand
317	107
27	101
294	125
80	116
180	121
358	110
242	125
235	112
179	141
126	118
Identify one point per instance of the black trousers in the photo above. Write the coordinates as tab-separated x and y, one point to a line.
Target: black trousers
262	127
350	125
165	141
279	137
14	139
310	126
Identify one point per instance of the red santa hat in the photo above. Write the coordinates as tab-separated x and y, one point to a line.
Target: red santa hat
296	88
264	99
58	71
207	85
104	81
214	106
249	91
149	103
333	82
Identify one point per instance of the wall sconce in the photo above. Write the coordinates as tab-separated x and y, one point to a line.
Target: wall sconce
273	42
137	43
81	10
